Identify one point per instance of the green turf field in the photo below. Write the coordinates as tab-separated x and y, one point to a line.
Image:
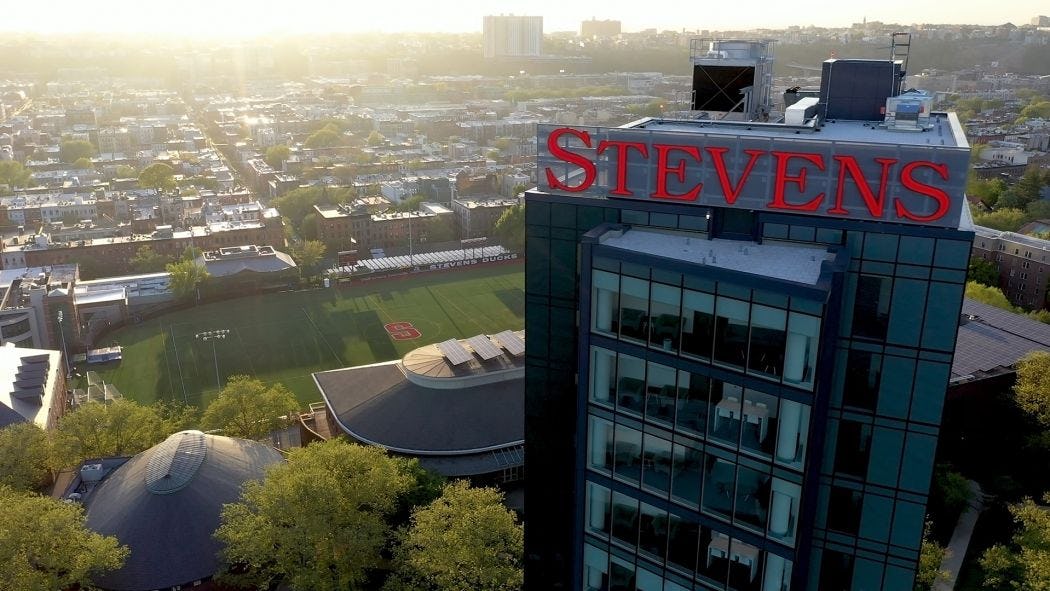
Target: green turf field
284	337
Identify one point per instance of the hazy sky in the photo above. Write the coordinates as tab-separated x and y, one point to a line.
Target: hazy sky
254	17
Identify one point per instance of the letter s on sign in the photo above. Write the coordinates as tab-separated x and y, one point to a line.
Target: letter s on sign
943	200
589	170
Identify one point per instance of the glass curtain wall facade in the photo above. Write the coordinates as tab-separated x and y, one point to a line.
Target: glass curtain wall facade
694	427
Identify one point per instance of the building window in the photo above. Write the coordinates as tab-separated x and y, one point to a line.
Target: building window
836	571
630	385
595	568
691	406
871	312
792	433
758	428
800	355
844	507
731	320
602	449
634	307
853	448
718	487
697	323
725	420
660	394
627	459
784	501
652	531
682	540
625	519
863	376
685	475
599	502
751	506
603	376
768	339
16	329
656	463
605	302
665	317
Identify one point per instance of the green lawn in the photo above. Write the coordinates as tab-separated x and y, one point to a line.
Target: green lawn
284	337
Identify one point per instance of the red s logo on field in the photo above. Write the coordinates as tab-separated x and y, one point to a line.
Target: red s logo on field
402	331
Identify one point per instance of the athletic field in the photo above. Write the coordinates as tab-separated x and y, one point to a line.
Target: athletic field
284	337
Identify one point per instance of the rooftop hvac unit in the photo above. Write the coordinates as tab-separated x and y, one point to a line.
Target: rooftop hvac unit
857	89
909	111
91	472
733	76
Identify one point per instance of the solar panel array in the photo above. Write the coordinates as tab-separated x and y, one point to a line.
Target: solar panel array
454	352
484	347
511	342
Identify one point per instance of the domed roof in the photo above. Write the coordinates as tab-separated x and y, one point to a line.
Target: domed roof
164	504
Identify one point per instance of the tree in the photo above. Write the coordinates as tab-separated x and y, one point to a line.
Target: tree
185	277
988	191
375	138
1023	565
119	428
71	150
158	176
983	271
931	555
993	296
465	539
190	253
308	230
126	172
146	260
1039	210
25	457
83	164
316	522
276	155
1032	389
324	138
1008	220
510	228
247	408
1013	199
308	254
44	544
13	174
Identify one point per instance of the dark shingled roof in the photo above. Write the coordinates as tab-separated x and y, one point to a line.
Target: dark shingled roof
995	339
170	535
378	404
8	416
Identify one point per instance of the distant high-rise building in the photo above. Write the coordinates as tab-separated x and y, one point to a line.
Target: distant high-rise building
596	29
513	36
1041	21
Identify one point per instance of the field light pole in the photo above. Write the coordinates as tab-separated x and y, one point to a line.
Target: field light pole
213	335
62	335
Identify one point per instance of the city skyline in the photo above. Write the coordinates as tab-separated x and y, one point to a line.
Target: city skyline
238	18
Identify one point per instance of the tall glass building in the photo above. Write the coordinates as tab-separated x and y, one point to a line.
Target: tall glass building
740	337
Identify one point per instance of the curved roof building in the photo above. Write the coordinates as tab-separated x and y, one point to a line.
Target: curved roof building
458	406
164	504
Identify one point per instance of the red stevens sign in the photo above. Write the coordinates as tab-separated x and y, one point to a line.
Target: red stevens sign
845	185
